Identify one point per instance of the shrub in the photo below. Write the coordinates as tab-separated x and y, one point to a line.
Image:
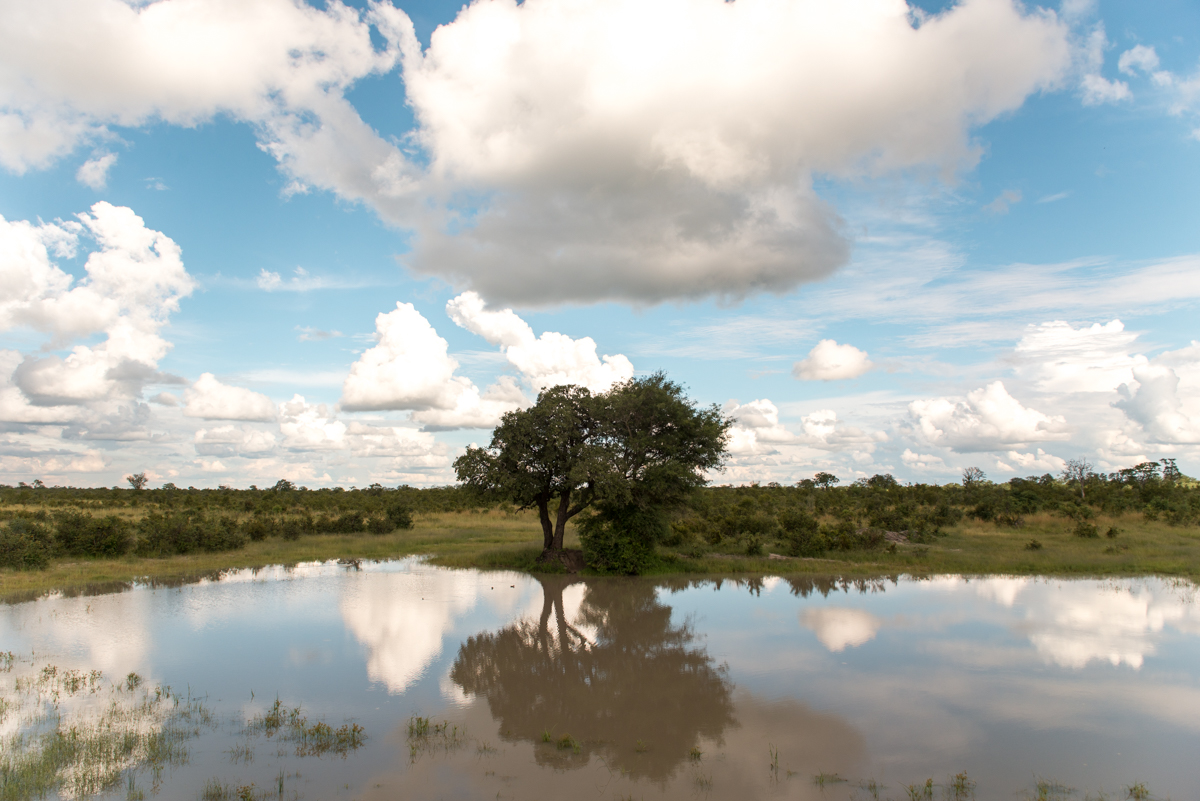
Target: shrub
180	533
25	545
260	527
399	515
621	539
379	524
80	534
802	534
1086	530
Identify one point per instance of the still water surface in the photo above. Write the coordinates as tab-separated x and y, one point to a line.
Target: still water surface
651	688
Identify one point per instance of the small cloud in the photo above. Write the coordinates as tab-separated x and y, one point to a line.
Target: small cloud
94	171
1008	197
1138	58
165	399
269	281
1054	197
829	361
310	334
293	189
156	184
1098	90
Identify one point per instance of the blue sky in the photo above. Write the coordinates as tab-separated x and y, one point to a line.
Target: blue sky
884	238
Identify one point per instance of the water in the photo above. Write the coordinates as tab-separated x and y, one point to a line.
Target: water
644	688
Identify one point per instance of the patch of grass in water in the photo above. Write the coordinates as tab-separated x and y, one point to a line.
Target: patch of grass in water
823	778
84	754
920	792
1137	792
311	739
425	736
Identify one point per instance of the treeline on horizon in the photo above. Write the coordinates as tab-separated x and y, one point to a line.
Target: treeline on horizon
814	516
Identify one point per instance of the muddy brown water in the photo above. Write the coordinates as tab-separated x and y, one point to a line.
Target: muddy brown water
561	687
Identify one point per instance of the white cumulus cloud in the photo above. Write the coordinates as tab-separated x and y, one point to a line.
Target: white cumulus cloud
1062	358
94	171
226	441
546	361
210	399
1153	401
616	148
829	361
987	419
135	280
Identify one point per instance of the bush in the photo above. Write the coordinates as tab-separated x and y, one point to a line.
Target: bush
621	540
180	533
25	545
260	527
79	534
802	534
1086	530
400	516
379	524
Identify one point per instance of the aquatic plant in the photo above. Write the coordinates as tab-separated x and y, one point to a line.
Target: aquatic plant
823	778
424	735
960	787
1137	792
920	792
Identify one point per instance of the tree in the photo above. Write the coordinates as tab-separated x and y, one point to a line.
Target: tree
137	480
1078	471
548	452
643	445
972	476
825	480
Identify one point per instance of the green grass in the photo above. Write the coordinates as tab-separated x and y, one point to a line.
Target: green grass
511	541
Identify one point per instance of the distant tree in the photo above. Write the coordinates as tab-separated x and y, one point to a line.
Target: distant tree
283	485
1170	471
972	476
1078	471
825	480
137	480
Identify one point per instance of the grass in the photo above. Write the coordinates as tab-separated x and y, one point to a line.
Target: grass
494	539
81	755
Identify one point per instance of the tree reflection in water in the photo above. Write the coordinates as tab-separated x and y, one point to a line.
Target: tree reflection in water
641	695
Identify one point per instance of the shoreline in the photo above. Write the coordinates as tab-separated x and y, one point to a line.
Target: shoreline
504	541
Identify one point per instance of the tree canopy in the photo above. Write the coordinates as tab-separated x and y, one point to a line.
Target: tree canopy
641	445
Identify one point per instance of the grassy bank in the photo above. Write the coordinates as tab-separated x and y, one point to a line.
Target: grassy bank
494	539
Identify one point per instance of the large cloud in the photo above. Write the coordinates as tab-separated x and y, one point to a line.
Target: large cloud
69	69
1152	400
135	280
545	361
410	368
212	400
987	419
1062	358
650	150
610	148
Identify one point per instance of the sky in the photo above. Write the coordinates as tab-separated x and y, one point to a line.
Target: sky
252	240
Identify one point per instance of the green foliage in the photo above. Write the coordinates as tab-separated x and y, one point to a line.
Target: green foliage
80	534
25	545
641	447
622	539
180	533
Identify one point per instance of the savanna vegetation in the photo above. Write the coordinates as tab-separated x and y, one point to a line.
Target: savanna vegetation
623	474
1137	521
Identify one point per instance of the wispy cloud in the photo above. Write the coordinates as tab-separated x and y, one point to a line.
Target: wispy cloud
310	334
289	377
1055	197
1007	198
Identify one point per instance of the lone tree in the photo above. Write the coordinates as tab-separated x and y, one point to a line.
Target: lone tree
640	446
137	480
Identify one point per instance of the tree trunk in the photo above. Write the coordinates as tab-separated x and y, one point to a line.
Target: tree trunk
547	526
560	525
